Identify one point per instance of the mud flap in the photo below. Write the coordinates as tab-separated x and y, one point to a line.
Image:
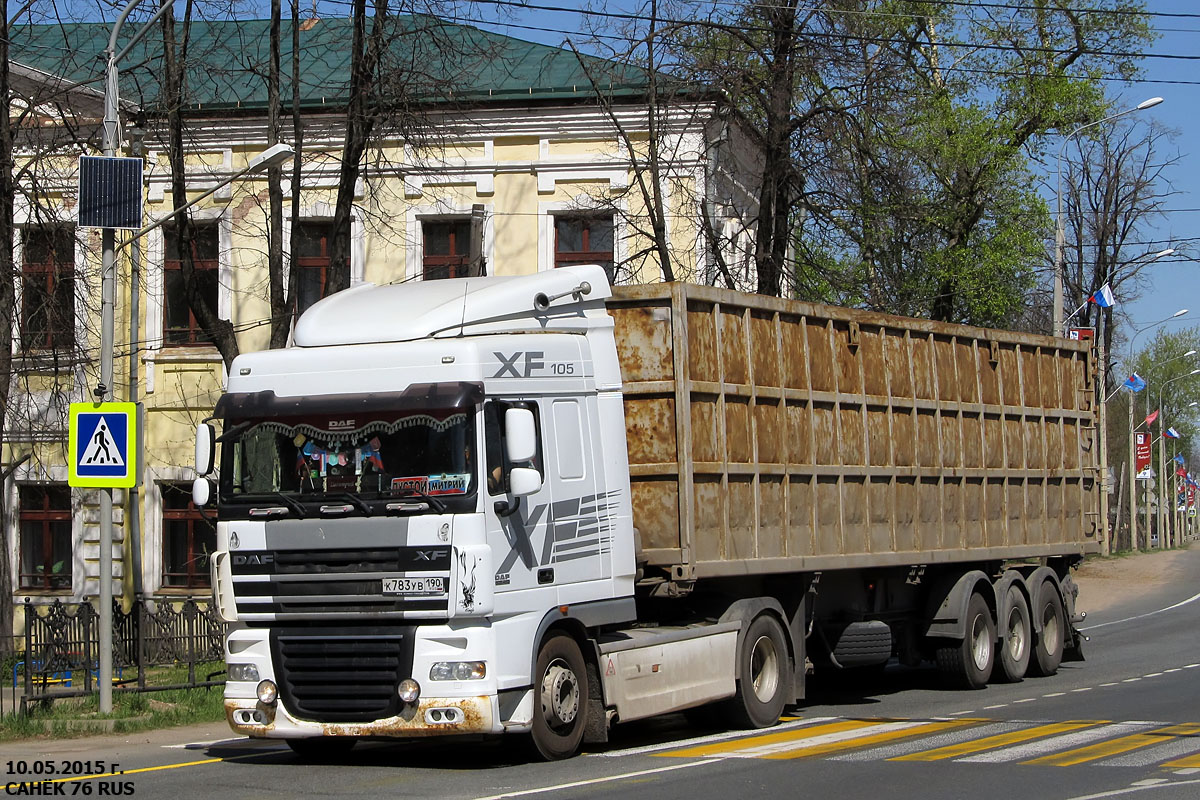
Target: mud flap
1074	651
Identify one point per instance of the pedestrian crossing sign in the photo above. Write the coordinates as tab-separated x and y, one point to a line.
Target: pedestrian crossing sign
102	441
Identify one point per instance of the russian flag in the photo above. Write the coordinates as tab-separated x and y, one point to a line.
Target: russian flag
1171	433
1104	297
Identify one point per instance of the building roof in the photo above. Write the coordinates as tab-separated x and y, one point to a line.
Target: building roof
429	61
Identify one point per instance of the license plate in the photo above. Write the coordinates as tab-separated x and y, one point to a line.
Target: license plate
414	585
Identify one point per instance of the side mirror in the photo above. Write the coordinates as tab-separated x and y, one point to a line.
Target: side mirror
206	445
520	433
524	481
201	492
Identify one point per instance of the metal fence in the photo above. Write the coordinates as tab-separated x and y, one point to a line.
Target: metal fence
59	656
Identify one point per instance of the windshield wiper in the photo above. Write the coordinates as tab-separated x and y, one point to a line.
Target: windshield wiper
357	502
435	503
291	504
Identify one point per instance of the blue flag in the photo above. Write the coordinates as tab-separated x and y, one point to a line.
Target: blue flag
1179	459
1134	383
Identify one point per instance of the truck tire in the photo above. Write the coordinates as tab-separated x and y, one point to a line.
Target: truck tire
763	666
318	748
1016	636
560	714
1048	651
968	664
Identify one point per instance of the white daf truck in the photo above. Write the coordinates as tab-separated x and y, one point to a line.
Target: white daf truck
539	505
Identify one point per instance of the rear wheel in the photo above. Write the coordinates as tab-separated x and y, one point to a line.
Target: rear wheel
968	664
559	718
1048	652
762	666
1016	636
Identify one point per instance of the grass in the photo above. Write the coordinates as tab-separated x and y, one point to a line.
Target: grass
132	711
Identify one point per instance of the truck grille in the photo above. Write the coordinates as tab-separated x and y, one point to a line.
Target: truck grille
341	675
274	585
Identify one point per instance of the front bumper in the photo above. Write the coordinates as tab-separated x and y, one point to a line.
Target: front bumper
428	717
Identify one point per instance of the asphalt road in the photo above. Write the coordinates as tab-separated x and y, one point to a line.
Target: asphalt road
1123	724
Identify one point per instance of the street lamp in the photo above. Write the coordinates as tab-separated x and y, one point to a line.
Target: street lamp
110	140
1162	450
1132	453
1059	233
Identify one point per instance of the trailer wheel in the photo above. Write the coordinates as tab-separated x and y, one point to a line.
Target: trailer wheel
1016	636
317	748
762	664
561	715
1048	651
968	663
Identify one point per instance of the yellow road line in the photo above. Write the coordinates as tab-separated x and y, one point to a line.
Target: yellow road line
124	772
1114	747
992	742
799	734
876	739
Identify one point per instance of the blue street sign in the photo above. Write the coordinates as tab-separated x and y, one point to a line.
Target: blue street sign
102	445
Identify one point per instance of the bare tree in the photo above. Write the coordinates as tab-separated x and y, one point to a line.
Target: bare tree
1117	190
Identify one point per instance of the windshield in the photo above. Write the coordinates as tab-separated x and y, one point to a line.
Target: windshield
362	458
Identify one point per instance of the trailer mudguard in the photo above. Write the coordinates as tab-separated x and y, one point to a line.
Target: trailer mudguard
1044	579
947	603
745	611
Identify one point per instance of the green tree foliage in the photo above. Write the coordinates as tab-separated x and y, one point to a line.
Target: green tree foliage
910	128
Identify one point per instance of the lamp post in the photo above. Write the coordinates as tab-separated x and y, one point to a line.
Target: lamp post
1162	450
1059	233
1132	454
110	141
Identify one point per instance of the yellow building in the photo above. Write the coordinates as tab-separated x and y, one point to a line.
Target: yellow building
510	162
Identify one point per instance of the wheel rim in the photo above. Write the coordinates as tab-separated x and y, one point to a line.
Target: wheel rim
981	643
1050	632
560	694
1016	638
764	669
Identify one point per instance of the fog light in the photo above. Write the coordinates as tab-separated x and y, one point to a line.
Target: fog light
268	692
243	672
409	690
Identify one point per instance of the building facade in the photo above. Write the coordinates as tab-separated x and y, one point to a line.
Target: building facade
529	167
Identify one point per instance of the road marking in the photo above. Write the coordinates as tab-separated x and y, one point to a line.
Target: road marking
1131	680
998	705
1171	749
991	742
111	775
1191	771
1152	675
1054	694
715	737
960	713
1032	749
1109	684
1114	747
1026	700
1128	790
940	740
1181	604
889	732
766	740
1149	782
607	779
1084	689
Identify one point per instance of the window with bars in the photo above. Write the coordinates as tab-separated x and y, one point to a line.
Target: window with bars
584	240
188	539
45	529
180	326
48	287
446	248
311	261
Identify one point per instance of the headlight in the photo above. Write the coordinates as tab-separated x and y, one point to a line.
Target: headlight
409	690
458	671
243	672
268	692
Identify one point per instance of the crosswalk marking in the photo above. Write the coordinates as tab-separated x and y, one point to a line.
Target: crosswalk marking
991	742
1131	743
1022	752
766	740
1114	747
887	733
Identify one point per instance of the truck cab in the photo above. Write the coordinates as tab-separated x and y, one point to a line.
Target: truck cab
411	499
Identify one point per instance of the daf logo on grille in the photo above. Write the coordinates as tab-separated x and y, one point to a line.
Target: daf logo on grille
254	559
431	555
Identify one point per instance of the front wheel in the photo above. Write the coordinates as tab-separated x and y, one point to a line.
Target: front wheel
559	719
763	669
968	664
1048	652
